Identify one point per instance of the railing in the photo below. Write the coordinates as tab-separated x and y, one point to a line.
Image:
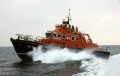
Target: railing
28	37
104	49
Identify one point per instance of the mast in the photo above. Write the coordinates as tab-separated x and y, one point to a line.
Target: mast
67	22
69	16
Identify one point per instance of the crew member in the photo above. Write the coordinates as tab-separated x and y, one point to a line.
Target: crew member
72	29
76	30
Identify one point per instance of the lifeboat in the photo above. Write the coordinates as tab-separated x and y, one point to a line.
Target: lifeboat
65	35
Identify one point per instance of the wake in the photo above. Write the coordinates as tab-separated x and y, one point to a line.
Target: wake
101	67
91	65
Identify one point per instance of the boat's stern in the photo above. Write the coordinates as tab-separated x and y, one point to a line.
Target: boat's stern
102	53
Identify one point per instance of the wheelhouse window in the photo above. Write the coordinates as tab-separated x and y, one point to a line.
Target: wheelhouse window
72	38
48	34
59	36
77	39
63	36
54	34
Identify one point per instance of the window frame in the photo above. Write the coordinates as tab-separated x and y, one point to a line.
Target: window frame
76	39
54	34
72	38
59	35
64	36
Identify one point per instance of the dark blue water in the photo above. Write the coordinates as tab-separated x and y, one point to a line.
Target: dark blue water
11	65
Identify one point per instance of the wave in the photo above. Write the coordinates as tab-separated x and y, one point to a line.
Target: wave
101	67
91	65
58	55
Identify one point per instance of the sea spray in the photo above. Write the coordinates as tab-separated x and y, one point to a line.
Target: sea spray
58	55
100	67
91	65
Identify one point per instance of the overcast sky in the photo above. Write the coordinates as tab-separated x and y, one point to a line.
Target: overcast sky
99	18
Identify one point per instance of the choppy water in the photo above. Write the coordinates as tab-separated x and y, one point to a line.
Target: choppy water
59	63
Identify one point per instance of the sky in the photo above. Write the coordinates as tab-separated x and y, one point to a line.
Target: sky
99	18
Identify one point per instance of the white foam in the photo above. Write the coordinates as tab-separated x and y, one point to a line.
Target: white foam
101	67
92	67
57	55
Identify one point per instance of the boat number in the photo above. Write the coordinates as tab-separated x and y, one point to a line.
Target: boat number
29	46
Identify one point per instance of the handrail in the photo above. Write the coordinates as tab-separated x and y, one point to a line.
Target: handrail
29	37
104	49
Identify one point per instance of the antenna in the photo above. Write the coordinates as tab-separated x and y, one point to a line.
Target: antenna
67	22
69	17
69	12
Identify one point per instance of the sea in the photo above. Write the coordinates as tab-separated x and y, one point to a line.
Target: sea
60	63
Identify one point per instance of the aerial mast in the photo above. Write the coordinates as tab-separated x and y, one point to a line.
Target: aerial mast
67	22
69	17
